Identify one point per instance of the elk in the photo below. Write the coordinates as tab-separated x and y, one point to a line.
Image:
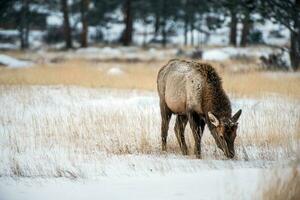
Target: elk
193	92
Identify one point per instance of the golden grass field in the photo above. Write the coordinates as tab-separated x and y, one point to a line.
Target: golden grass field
142	75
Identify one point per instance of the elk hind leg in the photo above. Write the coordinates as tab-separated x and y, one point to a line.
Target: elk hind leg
180	124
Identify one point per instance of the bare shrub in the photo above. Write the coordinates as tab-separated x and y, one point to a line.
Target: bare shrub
274	61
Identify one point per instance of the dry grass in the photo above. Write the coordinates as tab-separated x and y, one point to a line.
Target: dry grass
67	131
283	184
257	84
142	75
84	73
60	131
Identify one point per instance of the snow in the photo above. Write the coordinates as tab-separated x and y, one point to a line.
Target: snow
123	53
111	51
9	32
207	184
105	51
215	54
10	39
145	32
217	37
115	71
267	27
113	29
105	144
8	46
90	127
13	62
55	19
224	53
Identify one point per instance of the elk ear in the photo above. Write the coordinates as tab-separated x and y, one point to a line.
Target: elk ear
213	119
236	116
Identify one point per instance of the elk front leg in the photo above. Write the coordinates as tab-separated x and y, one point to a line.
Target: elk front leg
180	124
202	125
194	121
165	120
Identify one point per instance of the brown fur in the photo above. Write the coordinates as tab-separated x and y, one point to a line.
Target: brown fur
190	90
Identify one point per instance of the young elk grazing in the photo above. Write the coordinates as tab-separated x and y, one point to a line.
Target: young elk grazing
193	91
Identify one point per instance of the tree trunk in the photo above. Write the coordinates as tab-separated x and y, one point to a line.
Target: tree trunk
246	30
233	28
186	29
67	28
192	33
24	25
164	34
157	24
295	51
26	36
164	24
186	23
295	40
128	20
84	4
145	33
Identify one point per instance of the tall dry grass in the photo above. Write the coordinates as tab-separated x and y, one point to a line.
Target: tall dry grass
142	75
61	130
84	73
73	131
283	184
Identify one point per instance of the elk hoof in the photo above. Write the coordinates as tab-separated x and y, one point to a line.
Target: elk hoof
184	152
198	156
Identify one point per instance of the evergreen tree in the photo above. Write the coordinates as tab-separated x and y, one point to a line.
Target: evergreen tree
232	7
286	13
66	24
128	13
84	5
248	8
22	15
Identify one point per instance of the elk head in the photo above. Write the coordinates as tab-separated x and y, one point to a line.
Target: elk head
224	132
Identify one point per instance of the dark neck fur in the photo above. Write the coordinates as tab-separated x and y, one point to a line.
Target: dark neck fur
216	101
214	98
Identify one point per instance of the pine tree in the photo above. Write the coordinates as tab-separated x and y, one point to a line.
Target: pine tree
128	21
286	13
84	5
66	24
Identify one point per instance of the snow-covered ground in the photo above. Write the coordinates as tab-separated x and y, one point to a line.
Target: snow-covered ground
124	53
107	144
119	53
207	184
115	71
226	53
219	54
13	62
12	39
